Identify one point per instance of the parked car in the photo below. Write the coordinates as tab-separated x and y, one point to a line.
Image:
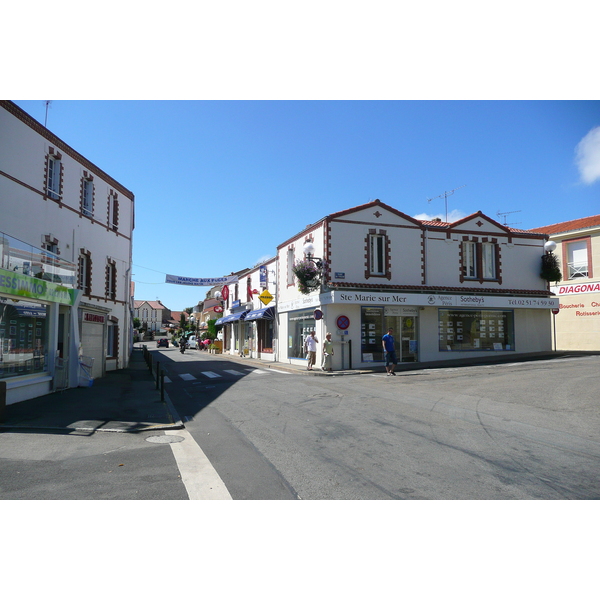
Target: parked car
162	343
192	342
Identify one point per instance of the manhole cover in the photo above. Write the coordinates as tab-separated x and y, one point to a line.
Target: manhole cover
164	439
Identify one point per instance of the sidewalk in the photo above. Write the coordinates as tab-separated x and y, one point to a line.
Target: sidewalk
121	401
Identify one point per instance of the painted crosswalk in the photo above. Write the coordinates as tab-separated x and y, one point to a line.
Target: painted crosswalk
218	375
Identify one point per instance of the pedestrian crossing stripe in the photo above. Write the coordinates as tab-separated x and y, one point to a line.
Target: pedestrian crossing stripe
187	376
232	372
210	374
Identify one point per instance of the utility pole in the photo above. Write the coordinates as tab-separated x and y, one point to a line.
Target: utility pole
445	197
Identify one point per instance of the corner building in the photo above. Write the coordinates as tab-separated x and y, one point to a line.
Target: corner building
449	290
65	276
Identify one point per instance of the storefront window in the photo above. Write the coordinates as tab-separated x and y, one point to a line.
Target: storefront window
476	330
300	324
23	338
371	333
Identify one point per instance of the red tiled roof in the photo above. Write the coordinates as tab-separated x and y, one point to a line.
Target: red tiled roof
573	225
155	304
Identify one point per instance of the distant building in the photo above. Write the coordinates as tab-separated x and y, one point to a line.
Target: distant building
153	315
577	325
65	277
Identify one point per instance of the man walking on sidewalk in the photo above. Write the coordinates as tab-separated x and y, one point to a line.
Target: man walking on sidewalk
389	351
311	350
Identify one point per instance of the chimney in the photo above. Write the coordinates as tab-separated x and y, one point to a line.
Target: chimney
437	220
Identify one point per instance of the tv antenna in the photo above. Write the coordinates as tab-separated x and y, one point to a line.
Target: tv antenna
510	212
445	197
47	103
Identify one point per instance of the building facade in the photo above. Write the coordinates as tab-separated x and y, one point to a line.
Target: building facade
577	324
76	222
449	290
153	315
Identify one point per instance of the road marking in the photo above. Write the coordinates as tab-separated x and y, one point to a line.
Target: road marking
199	477
187	377
284	372
257	372
210	374
167	380
232	372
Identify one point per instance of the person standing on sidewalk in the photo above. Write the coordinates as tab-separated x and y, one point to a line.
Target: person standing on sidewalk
310	346
389	351
327	353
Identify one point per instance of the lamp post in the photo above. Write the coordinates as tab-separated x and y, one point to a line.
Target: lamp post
549	248
309	252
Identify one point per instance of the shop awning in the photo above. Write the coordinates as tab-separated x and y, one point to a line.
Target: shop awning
231	318
261	313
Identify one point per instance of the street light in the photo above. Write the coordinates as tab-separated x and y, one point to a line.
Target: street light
550	246
309	251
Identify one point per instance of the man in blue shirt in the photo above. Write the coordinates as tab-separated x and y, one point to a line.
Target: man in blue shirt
389	351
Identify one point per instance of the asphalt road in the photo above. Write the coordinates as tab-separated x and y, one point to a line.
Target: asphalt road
513	431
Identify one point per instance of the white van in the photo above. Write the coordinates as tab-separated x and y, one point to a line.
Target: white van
192	342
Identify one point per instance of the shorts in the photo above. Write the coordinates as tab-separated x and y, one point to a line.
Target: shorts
390	357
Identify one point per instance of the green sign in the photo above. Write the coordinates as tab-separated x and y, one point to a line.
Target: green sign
35	289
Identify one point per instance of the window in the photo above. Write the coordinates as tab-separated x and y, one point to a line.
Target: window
24	337
300	324
376	266
87	197
460	330
480	260
470	260
113	211
378	255
111	280
577	253
53	175
290	266
84	282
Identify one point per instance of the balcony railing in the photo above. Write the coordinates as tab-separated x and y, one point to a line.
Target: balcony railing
26	259
577	269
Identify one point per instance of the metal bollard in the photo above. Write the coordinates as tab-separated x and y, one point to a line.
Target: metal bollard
157	373
162	385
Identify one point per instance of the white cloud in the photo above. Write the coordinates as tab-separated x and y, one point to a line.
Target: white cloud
453	215
588	156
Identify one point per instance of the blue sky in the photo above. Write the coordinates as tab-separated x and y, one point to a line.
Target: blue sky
237	125
233	179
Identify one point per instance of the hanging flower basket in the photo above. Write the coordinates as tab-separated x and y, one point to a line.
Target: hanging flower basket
308	276
550	268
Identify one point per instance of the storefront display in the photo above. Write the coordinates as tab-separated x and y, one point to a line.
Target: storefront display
300	325
23	338
476	330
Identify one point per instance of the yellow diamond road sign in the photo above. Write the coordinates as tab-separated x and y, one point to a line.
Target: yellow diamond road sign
265	297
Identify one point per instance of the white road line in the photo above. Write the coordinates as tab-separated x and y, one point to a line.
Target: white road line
187	376
167	380
199	477
232	372
284	372
210	374
257	372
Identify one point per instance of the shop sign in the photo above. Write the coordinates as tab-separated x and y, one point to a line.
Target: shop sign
580	288
441	300
93	318
25	286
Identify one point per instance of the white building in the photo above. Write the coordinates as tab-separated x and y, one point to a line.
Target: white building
250	327
449	290
152	314
76	224
577	324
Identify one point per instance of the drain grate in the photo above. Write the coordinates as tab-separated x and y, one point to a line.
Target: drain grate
164	439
